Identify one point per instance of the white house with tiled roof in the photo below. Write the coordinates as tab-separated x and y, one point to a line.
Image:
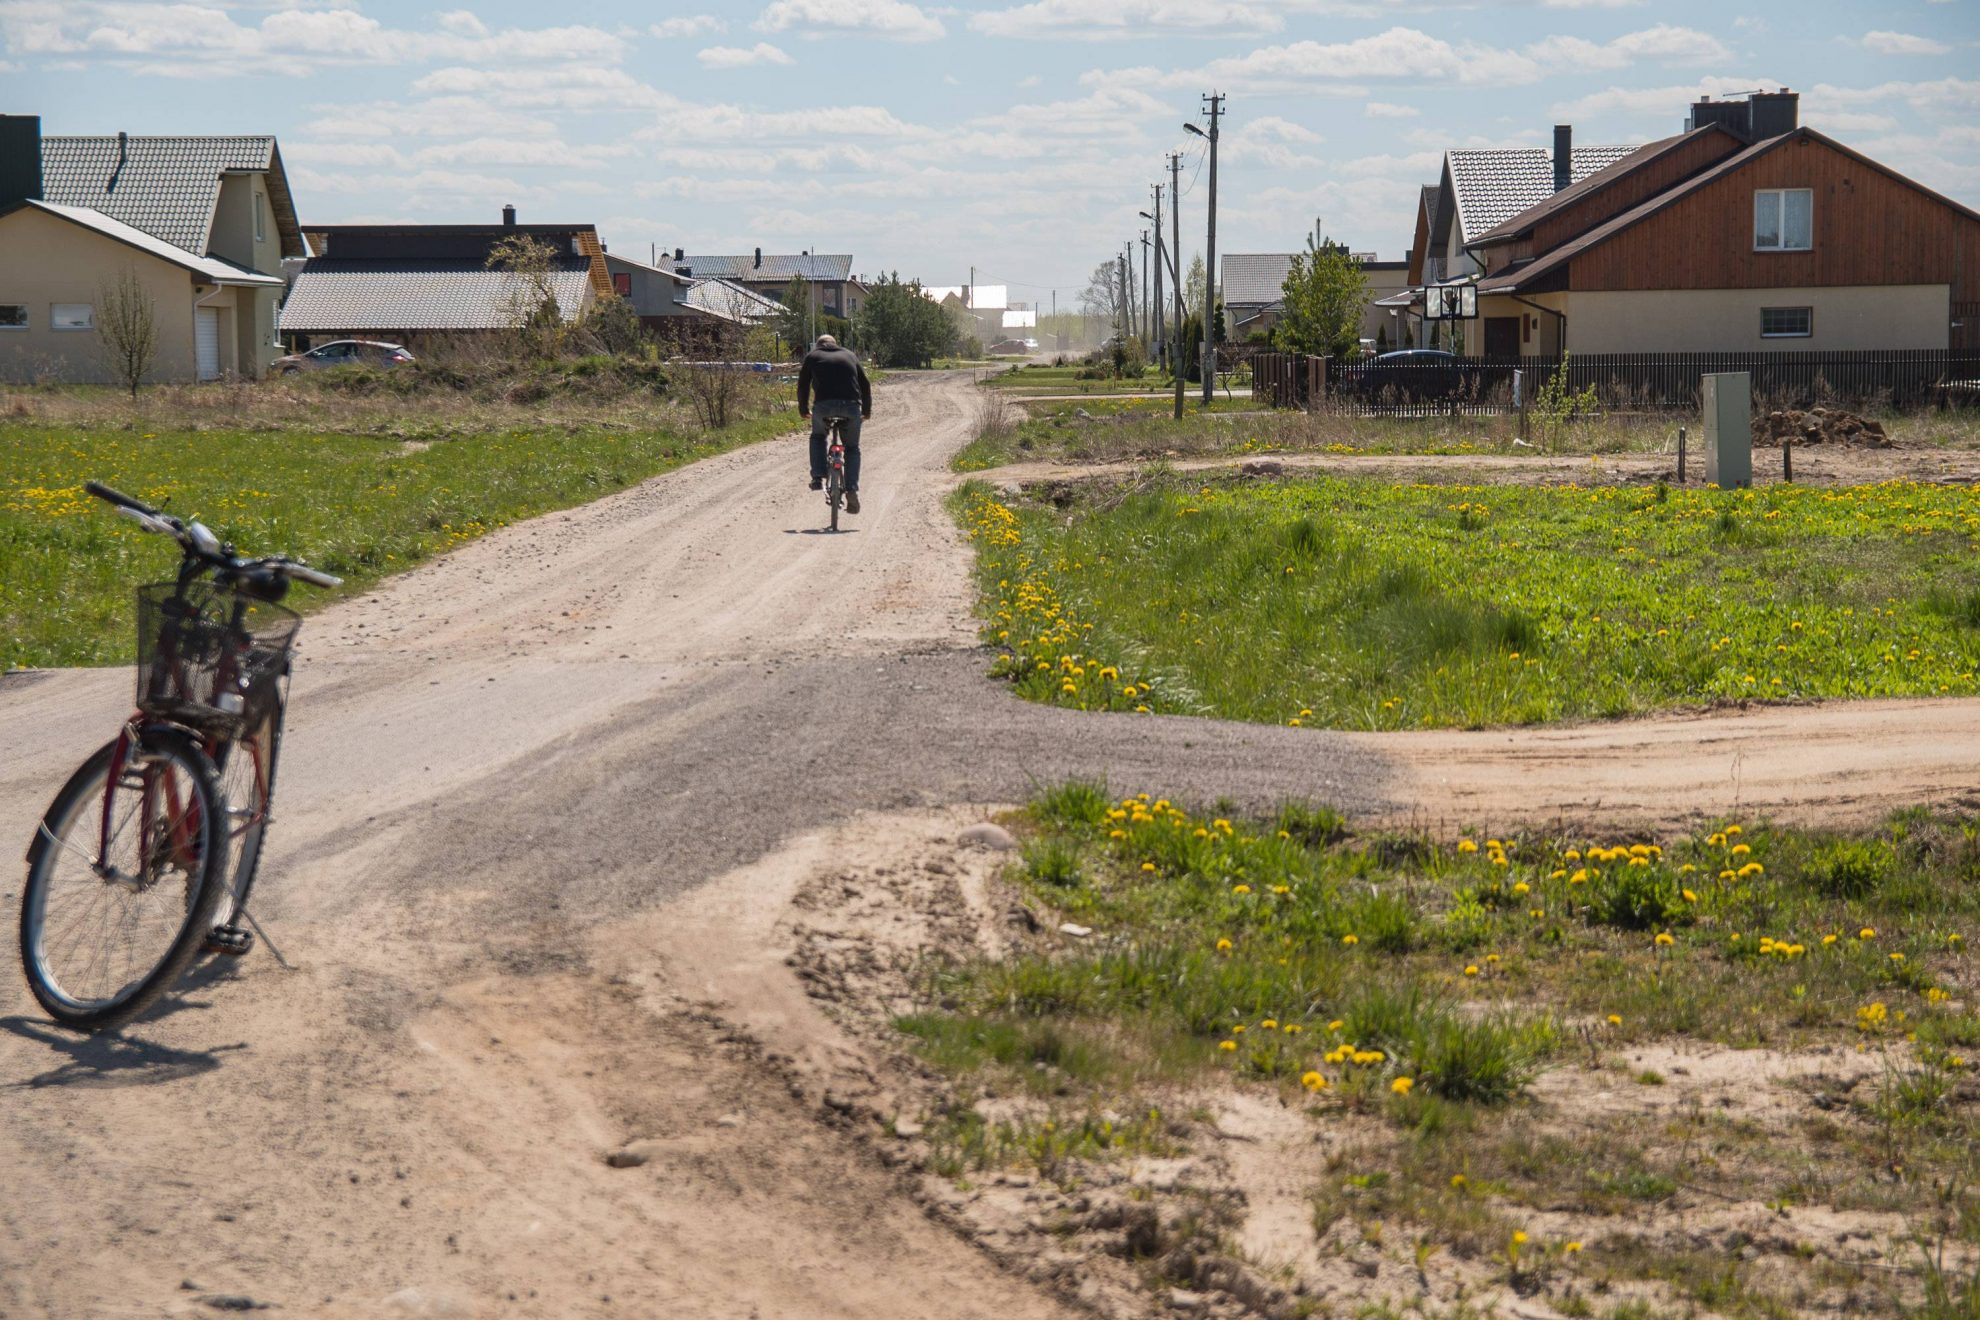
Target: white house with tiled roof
203	222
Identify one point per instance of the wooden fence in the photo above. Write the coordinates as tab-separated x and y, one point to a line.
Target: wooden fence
1623	382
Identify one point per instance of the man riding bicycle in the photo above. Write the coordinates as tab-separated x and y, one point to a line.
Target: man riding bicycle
839	382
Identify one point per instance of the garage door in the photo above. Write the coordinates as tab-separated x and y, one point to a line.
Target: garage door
206	333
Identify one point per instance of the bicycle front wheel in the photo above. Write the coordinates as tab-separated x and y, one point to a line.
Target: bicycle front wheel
122	880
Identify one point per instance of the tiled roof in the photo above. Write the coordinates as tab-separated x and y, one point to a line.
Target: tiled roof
731	302
211	268
328	297
977	297
1590	183
1255	278
810	266
166	186
1494	186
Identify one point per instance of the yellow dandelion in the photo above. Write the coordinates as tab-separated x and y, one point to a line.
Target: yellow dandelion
1402	1085
1227	1045
1313	1081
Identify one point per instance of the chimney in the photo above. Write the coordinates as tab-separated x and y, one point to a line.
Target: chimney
20	159
1319	234
759	258
680	254
509	217
1775	113
1563	156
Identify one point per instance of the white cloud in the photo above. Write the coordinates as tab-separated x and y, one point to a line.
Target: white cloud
1661	108
1095	20
190	40
1589	4
1390	110
1408	55
670	29
1901	43
1280	130
736	57
888	18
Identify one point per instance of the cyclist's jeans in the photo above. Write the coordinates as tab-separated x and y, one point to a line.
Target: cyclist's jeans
849	432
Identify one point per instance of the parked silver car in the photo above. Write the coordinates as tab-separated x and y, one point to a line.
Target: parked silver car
345	353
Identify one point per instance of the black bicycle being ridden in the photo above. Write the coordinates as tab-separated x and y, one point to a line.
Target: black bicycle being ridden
835	466
148	853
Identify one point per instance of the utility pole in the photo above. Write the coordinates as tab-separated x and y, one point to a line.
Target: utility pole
1121	326
1175	271
1146	319
1161	339
1214	105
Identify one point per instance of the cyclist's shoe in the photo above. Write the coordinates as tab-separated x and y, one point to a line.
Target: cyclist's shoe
852	501
818	483
230	940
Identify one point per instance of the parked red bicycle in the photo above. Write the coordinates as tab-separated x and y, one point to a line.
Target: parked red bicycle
148	853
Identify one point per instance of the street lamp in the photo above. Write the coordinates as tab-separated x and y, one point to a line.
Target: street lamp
1192	128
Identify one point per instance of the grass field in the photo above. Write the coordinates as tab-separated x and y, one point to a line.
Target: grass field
1408	995
1146	432
1030	379
358	505
1352	603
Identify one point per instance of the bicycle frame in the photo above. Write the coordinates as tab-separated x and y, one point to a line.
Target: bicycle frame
181	823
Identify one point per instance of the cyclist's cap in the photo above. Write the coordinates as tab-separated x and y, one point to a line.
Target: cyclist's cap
827	341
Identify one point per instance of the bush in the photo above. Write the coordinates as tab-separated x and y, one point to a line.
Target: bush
1636	898
1850	868
1485	1061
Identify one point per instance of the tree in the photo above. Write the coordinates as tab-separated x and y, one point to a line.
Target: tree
1325	293
1100	300
127	328
793	320
899	327
1195	280
615	325
529	304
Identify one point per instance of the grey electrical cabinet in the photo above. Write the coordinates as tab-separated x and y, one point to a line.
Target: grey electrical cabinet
1728	398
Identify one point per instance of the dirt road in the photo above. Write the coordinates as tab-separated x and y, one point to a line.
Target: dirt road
505	767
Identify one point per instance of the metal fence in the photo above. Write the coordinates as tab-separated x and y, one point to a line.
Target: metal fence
1623	382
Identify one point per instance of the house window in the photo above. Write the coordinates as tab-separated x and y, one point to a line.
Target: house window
1787	322
1783	220
13	316
622	283
260	217
71	316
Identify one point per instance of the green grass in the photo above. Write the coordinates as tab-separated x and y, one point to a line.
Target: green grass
1121	430
360	506
1406	992
1354	603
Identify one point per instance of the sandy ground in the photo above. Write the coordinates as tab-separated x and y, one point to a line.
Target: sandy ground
510	770
1820	465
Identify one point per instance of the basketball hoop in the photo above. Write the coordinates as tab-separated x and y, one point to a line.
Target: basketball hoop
1450	302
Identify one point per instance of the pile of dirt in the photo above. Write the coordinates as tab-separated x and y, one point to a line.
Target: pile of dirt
1818	426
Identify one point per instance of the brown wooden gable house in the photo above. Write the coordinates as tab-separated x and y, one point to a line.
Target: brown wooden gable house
1726	239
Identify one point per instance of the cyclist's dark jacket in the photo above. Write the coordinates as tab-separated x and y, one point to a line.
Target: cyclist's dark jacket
837	377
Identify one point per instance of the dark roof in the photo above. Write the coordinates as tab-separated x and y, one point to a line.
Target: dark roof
1534	271
1620	168
467	245
1255	278
1491	187
332	296
166	186
806	265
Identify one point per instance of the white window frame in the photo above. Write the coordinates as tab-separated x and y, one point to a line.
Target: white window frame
1778	197
55	311
1809	333
27	317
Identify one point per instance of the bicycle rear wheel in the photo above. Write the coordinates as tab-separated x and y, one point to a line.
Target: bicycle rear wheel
103	936
835	494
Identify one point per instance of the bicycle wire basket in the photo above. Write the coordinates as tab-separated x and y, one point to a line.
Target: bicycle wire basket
199	666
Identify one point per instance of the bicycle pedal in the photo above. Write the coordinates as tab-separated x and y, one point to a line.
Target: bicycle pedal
230	940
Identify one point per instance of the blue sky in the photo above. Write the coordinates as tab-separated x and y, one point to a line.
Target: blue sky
1016	137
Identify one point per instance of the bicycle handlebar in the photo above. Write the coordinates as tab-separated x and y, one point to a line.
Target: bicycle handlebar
197	540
